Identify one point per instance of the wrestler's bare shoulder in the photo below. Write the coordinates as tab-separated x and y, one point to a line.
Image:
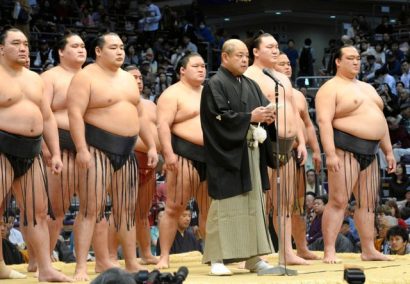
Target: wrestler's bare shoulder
299	99
148	105
327	89
253	72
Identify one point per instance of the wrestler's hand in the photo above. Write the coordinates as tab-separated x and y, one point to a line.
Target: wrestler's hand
56	164
333	163
302	154
317	161
83	159
152	158
391	163
171	161
46	155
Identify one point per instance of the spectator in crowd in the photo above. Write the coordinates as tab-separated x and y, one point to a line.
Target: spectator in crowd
185	240
405	116
398	241
315	231
345	231
131	57
150	22
44	55
399	182
392	64
394	49
11	253
306	59
405	76
310	213
311	180
384	27
349	216
161	84
382	76
204	33
154	232
153	64
379	53
15	236
369	68
405	214
189	46
402	93
293	56
385	223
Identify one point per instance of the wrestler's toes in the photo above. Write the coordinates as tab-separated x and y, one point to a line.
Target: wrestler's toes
53	275
81	276
149	260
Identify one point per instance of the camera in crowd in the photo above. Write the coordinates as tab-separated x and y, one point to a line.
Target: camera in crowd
156	277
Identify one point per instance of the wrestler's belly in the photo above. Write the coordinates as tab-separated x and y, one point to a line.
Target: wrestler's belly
61	117
189	130
288	123
121	119
371	126
23	118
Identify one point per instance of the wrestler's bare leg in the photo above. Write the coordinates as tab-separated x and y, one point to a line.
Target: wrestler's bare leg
286	174
113	242
204	201
100	247
144	201
125	211
340	190
364	214
90	196
179	191
61	190
32	262
37	236
299	222
6	272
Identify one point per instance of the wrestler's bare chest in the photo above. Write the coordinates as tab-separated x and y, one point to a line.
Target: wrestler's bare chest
19	90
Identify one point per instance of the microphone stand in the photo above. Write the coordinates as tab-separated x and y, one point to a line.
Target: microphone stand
279	269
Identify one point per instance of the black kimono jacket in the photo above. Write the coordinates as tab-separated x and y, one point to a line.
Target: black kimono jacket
226	107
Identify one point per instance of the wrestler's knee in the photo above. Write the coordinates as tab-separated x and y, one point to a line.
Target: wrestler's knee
174	209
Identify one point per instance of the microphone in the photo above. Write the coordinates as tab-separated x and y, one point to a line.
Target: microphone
267	72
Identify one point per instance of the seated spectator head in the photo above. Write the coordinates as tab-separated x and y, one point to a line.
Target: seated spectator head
398	239
114	276
349	212
310	176
43	45
371	59
160	214
405	213
149	55
308	41
405	110
386	222
404	66
310	197
319	204
345	229
184	220
378	47
291	43
5	231
394	208
401	173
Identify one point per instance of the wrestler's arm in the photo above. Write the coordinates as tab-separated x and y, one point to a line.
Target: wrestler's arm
385	145
78	97
311	133
51	134
166	111
302	153
146	135
48	95
325	103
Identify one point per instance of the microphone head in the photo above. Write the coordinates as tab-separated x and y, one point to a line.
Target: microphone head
266	71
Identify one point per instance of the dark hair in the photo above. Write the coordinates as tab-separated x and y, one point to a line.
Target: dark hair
61	44
5	32
393	204
398	231
404	174
308	41
100	40
183	62
131	67
310	170
311	193
114	276
322	197
339	51
405	213
255	42
291	40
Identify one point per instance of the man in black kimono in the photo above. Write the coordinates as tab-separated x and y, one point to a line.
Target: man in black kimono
236	152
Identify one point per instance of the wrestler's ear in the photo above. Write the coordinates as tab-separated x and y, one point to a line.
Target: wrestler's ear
254	51
97	51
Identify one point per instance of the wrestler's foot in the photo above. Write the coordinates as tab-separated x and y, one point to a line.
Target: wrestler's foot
293	259
307	254
32	266
149	260
374	256
101	266
81	274
52	275
163	263
330	258
134	267
7	273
